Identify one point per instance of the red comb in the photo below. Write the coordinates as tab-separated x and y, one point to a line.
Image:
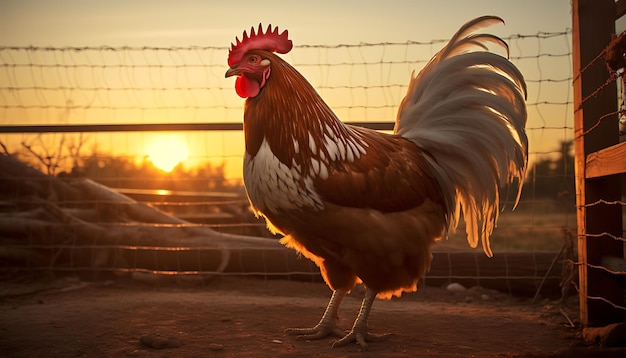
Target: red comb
269	41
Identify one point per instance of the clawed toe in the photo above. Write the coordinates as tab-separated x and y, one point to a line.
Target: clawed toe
357	337
360	338
317	332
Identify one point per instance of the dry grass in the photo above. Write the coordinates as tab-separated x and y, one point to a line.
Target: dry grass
535	226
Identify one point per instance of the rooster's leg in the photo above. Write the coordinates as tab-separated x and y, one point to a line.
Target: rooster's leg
359	333
328	323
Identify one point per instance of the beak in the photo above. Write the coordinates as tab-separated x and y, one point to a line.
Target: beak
233	71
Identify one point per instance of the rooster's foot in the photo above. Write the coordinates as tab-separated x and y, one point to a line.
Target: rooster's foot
321	330
359	333
327	325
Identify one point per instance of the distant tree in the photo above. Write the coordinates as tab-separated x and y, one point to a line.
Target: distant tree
553	177
47	156
124	172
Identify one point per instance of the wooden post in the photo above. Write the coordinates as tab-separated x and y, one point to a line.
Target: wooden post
598	224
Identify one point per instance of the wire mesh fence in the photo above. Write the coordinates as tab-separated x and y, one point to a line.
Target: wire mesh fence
88	115
600	149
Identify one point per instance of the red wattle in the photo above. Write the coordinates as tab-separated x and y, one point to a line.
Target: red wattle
246	88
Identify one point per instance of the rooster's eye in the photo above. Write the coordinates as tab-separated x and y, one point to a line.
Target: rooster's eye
258	60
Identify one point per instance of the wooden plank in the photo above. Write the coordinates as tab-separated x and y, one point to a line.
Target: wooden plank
579	158
620	8
593	25
608	161
615	264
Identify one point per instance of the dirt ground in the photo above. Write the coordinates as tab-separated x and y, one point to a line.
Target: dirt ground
234	316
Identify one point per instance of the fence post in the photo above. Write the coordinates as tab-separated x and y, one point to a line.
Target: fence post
595	127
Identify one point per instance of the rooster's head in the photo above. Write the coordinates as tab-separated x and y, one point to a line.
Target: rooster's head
247	62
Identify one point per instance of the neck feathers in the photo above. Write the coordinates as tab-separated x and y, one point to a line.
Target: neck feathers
290	115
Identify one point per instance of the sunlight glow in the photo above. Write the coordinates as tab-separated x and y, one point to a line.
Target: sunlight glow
166	152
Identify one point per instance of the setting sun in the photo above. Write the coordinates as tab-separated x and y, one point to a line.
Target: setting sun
166	152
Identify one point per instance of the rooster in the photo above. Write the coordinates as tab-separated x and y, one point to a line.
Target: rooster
367	206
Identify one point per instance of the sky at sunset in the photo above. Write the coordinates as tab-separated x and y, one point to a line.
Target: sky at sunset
206	22
160	23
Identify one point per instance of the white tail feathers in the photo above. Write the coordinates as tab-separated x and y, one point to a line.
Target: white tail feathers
467	110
